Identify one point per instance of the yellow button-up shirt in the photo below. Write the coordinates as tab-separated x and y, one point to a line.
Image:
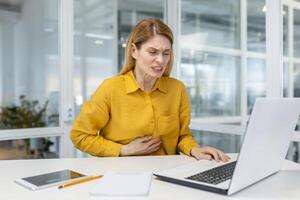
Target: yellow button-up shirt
119	112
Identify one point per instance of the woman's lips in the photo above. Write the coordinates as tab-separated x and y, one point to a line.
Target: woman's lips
157	68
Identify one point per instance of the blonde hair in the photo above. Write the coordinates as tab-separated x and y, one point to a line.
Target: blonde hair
141	33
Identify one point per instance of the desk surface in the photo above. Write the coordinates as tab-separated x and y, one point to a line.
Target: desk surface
275	187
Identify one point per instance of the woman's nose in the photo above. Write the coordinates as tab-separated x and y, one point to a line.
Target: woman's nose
160	58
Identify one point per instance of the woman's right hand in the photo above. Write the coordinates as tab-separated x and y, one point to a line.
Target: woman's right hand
141	146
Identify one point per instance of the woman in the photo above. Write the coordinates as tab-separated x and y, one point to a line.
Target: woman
142	111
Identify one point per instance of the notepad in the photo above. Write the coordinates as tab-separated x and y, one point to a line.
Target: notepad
123	184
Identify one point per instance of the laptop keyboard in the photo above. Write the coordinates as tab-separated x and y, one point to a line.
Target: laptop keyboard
215	175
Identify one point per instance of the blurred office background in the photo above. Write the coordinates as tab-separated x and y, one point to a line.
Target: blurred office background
54	54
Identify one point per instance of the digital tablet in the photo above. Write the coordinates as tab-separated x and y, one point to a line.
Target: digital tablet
49	179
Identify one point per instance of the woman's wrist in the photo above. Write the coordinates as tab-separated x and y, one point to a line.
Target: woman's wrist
124	150
192	151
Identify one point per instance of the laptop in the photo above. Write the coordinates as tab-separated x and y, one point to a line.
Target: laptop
265	145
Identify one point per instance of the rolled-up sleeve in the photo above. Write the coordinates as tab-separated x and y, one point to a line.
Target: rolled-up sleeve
93	117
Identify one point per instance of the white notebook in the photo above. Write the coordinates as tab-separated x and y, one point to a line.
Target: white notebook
122	184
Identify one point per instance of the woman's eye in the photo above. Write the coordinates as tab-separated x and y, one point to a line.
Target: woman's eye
152	52
167	54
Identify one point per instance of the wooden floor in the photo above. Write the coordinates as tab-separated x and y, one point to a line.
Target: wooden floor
12	150
17	149
12	154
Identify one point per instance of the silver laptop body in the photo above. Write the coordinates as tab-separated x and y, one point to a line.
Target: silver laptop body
264	147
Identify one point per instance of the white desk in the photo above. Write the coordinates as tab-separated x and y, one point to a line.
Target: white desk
270	188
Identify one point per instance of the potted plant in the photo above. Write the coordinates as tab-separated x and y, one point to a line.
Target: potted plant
28	114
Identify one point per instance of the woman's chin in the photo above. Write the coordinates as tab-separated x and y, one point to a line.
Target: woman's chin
156	74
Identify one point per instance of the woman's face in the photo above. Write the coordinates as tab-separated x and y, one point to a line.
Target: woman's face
153	56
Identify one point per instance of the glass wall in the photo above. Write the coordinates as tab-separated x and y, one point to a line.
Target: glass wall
296	33
29	64
285	34
203	24
29	74
291	74
211	55
297	80
285	30
256	43
225	142
256	81
285	79
296	72
93	41
256	26
212	81
211	74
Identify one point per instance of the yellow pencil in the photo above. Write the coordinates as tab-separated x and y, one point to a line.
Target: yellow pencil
79	181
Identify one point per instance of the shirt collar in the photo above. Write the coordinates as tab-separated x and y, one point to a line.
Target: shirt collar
130	82
132	85
161	85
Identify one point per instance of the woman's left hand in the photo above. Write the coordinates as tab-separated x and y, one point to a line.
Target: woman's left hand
209	153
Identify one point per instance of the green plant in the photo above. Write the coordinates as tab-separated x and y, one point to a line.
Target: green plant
28	114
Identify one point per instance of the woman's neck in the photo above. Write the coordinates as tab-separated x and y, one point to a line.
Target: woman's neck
145	81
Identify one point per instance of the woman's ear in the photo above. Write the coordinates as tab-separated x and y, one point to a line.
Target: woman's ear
134	51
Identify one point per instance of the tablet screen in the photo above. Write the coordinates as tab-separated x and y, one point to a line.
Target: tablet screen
54	177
